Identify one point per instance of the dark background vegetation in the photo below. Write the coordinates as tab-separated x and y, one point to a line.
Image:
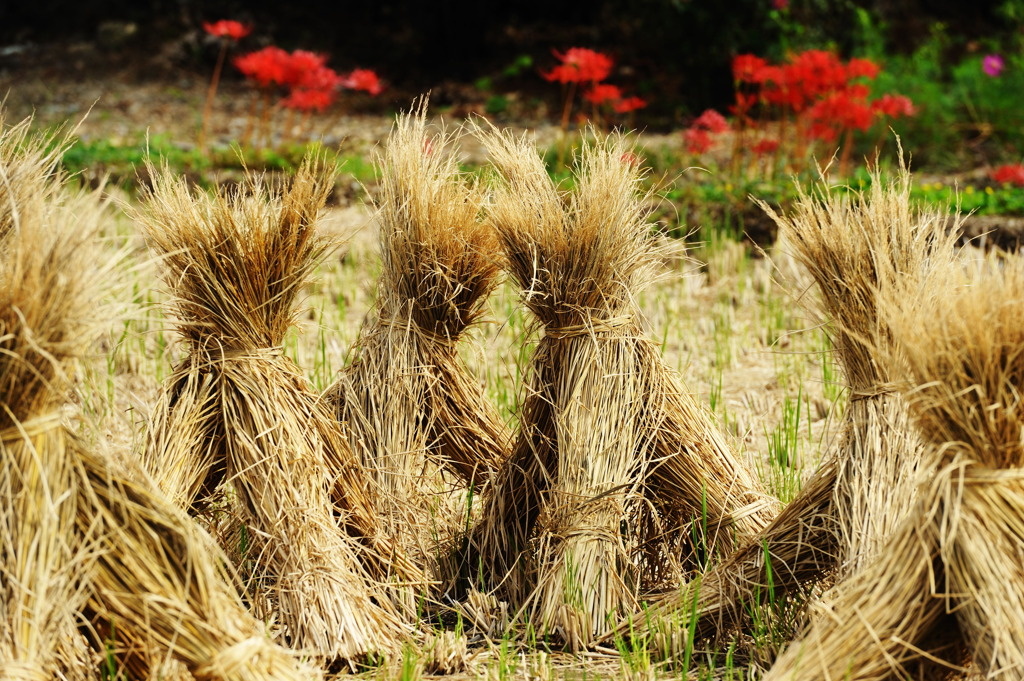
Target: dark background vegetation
663	47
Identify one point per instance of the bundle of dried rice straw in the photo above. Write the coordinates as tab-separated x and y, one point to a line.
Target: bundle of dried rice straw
615	461
236	410
858	248
961	547
411	408
83	542
44	567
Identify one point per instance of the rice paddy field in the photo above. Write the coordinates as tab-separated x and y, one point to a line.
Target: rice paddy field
484	425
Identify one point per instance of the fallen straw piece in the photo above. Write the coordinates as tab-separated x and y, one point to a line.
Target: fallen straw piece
237	411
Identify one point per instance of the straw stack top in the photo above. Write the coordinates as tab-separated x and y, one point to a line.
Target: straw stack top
579	257
856	246
29	169
236	262
51	285
438	255
964	345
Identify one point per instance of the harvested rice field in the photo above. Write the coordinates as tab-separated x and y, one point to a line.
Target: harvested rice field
485	423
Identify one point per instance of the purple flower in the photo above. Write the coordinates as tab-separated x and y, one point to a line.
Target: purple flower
993	65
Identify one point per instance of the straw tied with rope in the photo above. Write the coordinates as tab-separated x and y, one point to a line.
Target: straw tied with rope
608	437
415	417
237	411
960	549
90	542
859	249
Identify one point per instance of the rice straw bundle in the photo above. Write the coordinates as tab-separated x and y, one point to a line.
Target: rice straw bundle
411	408
81	540
965	350
165	589
604	421
45	311
858	249
237	409
961	548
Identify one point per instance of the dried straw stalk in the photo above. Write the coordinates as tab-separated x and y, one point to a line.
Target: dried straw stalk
102	546
237	410
960	549
858	249
604	422
411	407
30	171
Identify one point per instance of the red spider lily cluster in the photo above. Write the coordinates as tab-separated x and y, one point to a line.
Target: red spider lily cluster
310	84
580	65
1009	174
587	69
828	96
698	136
812	96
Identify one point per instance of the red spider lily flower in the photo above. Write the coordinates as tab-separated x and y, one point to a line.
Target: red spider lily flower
301	65
629	104
630	159
712	121
862	68
580	65
309	100
1009	174
765	146
857	91
226	28
807	76
603	94
786	86
365	80
748	68
269	66
744	103
320	78
781	5
818	72
840	111
893	106
697	140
